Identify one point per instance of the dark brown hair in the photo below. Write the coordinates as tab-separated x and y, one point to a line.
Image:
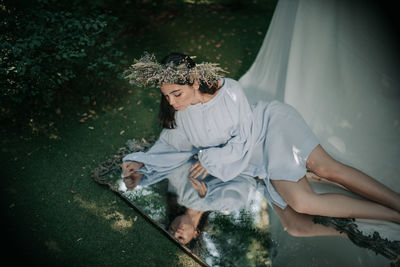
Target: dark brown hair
167	112
174	210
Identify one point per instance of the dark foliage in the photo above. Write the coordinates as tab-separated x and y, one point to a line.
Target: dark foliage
48	46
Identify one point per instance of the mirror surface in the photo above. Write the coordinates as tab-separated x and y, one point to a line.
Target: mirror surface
232	217
232	225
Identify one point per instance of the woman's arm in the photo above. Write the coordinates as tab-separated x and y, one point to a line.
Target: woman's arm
229	160
130	167
131	178
200	186
197	170
214	194
171	150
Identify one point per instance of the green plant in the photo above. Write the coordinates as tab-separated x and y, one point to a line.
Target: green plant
46	46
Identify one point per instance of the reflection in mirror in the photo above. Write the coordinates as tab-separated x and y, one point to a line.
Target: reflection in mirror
228	224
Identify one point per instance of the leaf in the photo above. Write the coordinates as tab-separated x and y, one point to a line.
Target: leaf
53	136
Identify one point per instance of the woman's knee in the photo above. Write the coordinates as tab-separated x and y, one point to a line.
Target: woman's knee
298	195
294	223
303	199
321	170
303	202
298	229
322	164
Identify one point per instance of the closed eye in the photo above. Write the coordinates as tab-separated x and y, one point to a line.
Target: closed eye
174	92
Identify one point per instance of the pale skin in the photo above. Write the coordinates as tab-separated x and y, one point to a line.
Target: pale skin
303	202
131	178
300	224
184	227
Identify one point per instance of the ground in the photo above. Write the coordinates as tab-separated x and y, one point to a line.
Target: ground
54	213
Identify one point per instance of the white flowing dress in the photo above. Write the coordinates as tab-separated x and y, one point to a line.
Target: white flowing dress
269	140
225	197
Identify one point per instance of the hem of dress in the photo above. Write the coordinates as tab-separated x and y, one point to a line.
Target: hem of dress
272	195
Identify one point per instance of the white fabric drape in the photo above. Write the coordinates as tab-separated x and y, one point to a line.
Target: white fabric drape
335	62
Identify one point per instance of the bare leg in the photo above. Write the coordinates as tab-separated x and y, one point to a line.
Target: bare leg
356	181
300	197
298	224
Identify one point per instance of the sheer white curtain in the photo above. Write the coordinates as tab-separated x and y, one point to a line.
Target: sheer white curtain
336	62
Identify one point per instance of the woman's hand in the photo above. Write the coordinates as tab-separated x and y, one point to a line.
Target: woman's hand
201	187
131	178
130	167
197	170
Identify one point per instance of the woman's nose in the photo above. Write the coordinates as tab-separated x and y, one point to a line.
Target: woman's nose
171	100
177	235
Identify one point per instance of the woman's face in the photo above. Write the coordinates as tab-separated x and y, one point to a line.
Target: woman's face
182	229
179	96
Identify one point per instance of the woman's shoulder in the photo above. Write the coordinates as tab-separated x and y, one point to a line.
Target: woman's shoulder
233	89
231	83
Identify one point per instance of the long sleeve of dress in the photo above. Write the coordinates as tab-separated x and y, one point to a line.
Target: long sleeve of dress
230	159
229	196
221	196
171	150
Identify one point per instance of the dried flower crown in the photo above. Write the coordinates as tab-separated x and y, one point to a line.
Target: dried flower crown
147	71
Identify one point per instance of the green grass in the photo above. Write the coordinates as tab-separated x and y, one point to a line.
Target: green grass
55	214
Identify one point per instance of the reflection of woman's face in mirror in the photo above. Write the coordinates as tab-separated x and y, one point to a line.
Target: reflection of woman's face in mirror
183	229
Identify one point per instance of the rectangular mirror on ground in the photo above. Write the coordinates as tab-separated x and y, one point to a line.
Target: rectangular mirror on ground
227	226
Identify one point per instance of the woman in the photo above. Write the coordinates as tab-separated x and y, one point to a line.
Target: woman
190	201
209	118
185	223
